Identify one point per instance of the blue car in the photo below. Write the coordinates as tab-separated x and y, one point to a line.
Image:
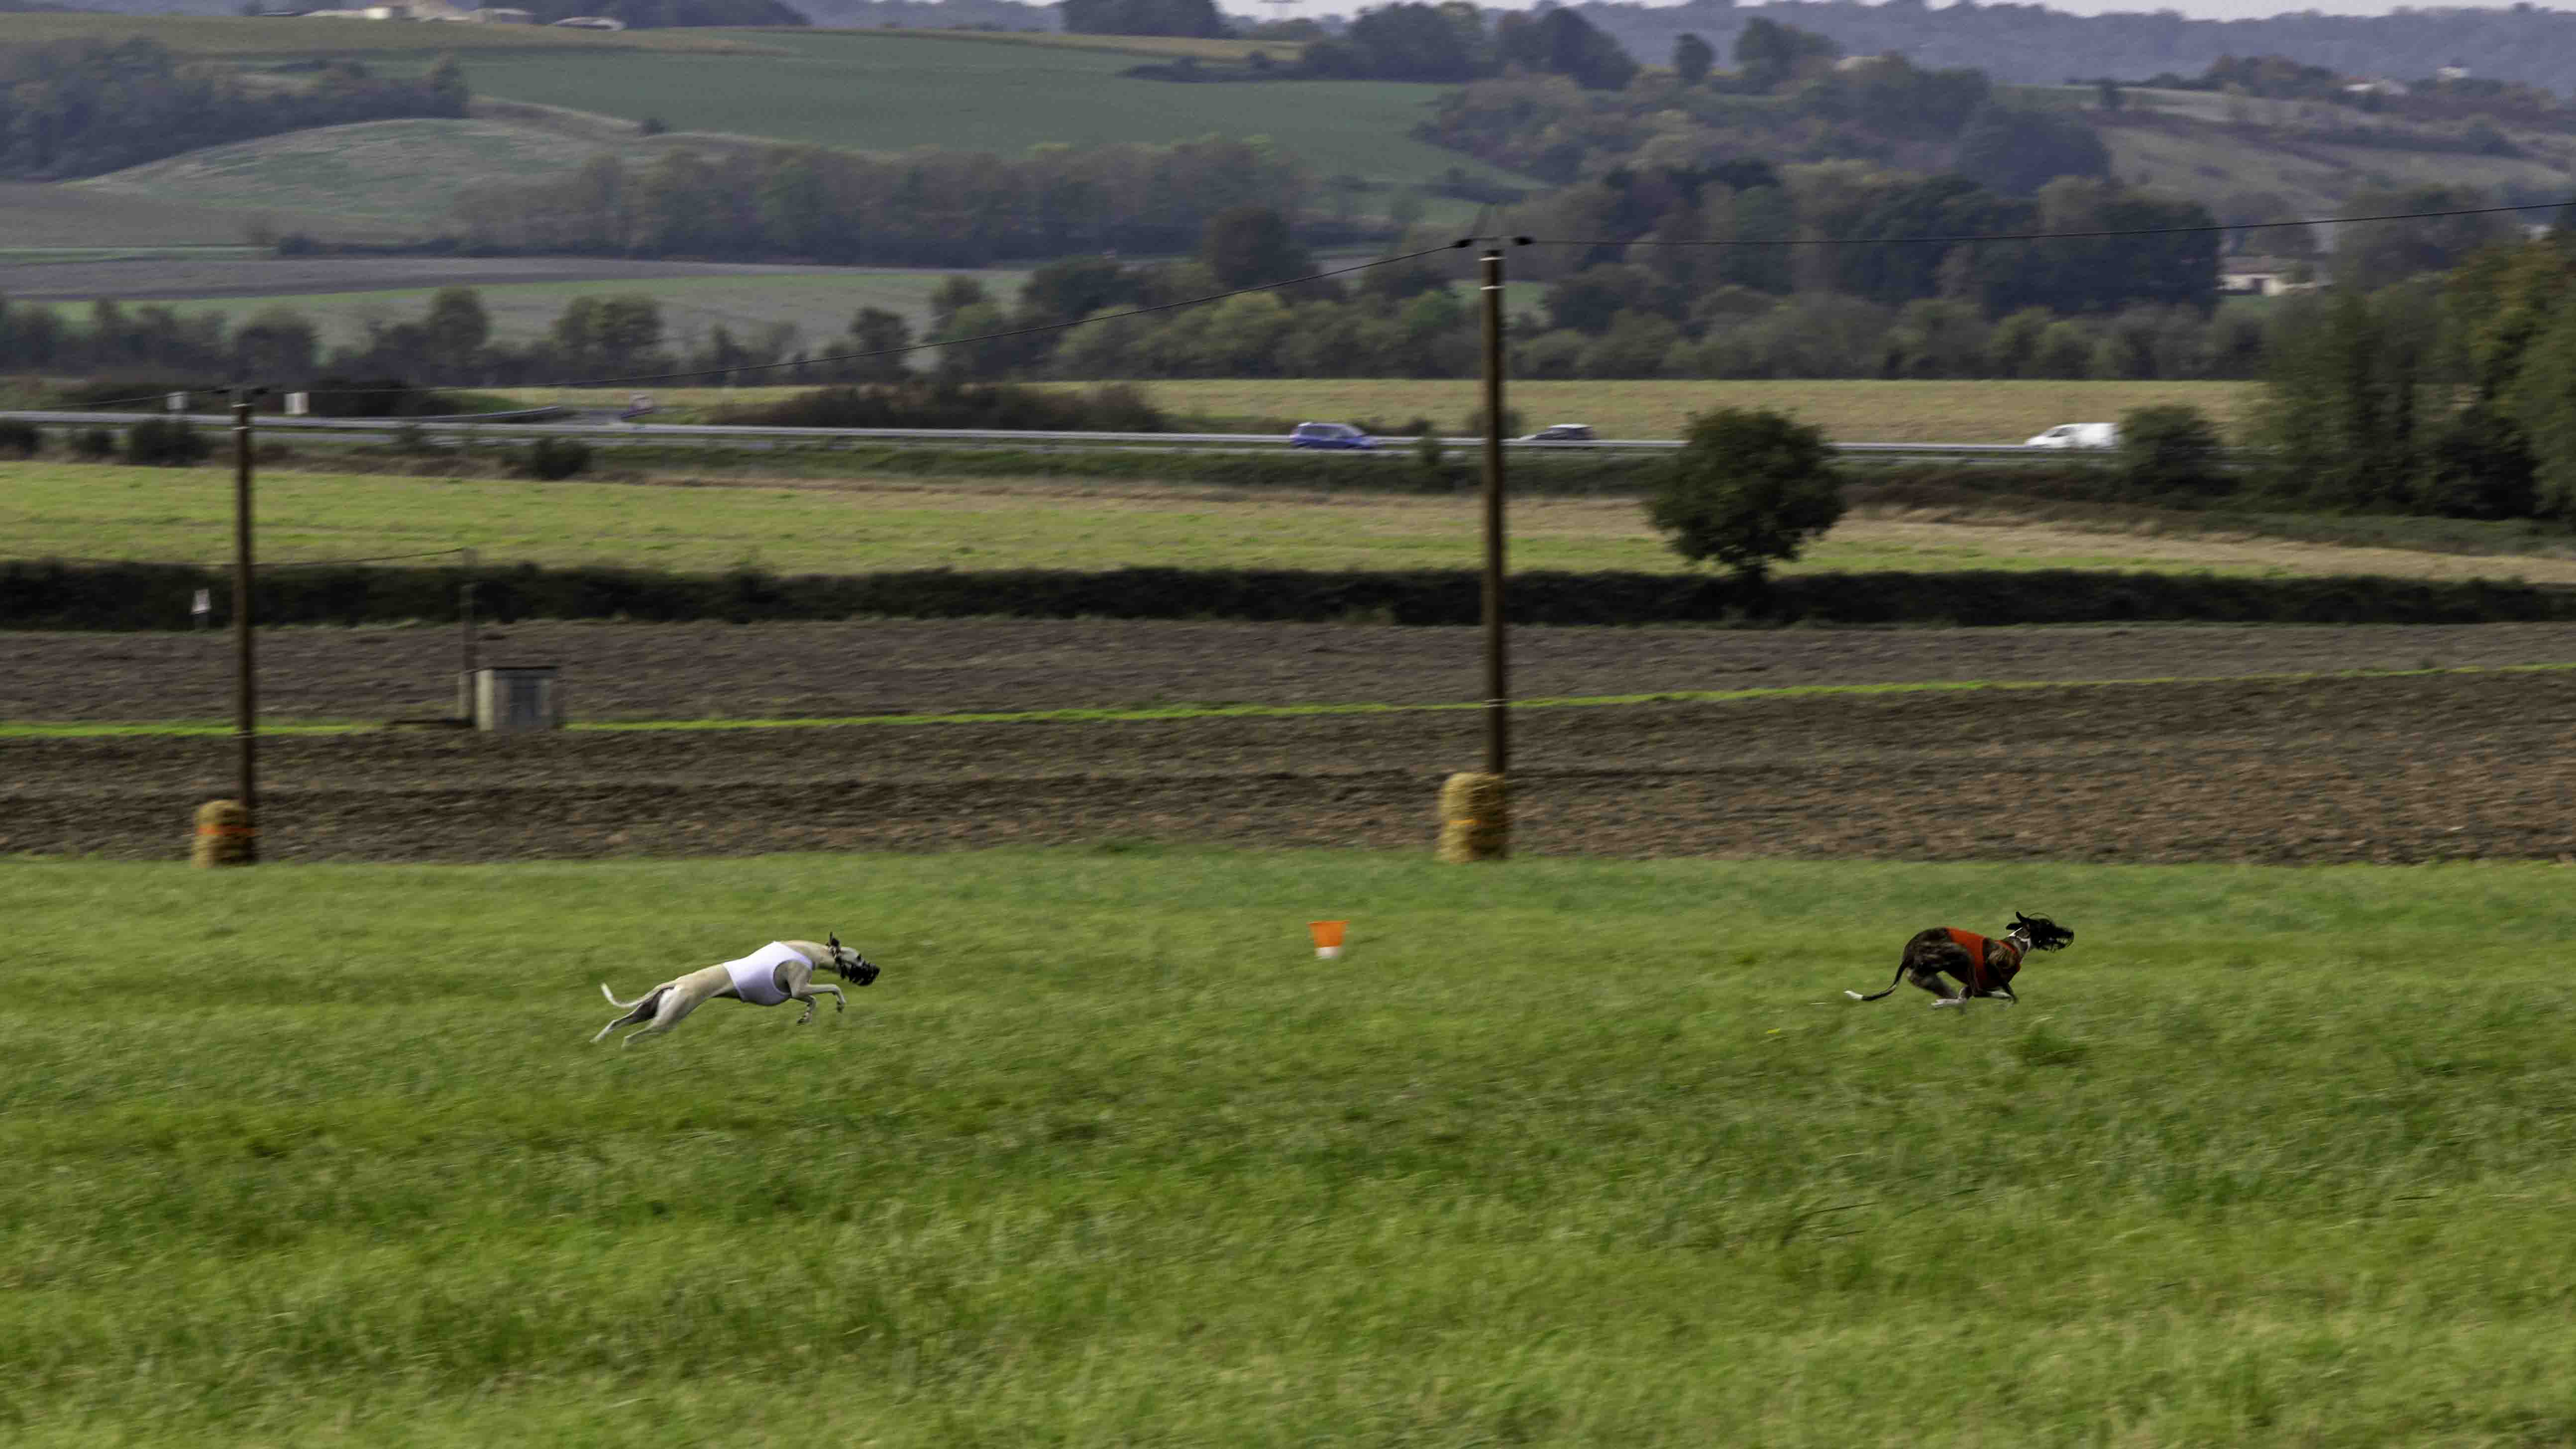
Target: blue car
1329	435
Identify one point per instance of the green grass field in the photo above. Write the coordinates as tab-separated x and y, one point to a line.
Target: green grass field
865	90
2210	161
879	91
44	219
1562	1153
74	510
858	525
404	172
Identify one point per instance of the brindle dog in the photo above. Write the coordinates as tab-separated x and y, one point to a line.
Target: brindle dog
1984	965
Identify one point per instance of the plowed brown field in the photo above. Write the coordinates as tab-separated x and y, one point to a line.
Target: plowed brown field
2223	765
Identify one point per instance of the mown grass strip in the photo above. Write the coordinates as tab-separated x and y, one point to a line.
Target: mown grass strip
74	730
1562	1154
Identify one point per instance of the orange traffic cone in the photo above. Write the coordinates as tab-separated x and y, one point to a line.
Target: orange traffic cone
1328	938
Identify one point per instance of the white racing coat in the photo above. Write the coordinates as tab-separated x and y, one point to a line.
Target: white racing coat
755	977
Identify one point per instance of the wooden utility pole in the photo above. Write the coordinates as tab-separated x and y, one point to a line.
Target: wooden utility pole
1475	809
1497	671
465	638
245	680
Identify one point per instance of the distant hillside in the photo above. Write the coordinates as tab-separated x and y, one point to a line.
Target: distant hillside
2290	159
2033	45
52	215
400	176
882	91
2014	43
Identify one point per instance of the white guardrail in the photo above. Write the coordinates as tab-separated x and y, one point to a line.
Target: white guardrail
708	434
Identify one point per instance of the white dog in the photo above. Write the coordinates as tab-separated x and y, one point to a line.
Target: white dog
779	972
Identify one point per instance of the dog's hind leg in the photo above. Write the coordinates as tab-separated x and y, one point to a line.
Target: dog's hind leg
643	1011
674	1008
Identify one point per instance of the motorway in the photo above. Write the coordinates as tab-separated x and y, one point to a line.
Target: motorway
613	432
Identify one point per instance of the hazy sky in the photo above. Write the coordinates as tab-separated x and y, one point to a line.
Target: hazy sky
2196	9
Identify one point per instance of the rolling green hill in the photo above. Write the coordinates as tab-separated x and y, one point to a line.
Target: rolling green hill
403	173
2189	142
56	217
237	38
547	100
896	90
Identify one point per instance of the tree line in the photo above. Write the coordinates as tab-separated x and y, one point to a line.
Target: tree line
1449	43
1680	232
943	208
1790	97
1198	18
1410	320
86	107
2393	396
139	349
2451	394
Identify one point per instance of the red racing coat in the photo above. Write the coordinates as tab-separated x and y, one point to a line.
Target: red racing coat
1984	970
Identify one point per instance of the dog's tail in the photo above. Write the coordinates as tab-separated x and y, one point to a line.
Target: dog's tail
1876	995
620	1005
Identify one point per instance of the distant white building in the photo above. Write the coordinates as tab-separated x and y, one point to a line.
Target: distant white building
2264	276
590	22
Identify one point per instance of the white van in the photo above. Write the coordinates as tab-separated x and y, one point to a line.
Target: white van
2077	435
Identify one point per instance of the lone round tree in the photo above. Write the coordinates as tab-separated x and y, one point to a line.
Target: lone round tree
1749	488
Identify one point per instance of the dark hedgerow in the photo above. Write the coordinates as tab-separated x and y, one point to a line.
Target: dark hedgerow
55	595
20	439
949	403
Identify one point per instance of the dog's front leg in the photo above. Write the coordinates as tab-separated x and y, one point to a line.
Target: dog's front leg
839	1001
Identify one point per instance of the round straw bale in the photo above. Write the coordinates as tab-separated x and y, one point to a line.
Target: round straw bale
1475	818
223	835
